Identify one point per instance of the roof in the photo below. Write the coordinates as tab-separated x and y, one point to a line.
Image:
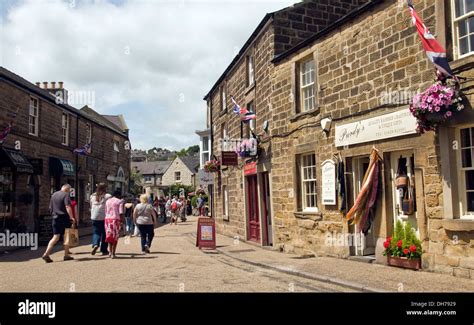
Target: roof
98	118
336	24
151	167
192	162
21	82
117	120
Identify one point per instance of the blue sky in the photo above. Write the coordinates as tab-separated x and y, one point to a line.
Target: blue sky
151	61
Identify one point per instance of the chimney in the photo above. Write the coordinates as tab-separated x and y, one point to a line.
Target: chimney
38	84
60	84
45	84
53	84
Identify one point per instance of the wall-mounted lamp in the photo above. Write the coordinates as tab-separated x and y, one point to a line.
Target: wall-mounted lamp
326	124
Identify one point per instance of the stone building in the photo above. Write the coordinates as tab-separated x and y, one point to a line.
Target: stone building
338	94
241	199
181	171
37	156
152	176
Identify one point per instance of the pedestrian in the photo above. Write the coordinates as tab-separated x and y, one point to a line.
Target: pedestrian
182	209
61	211
200	203
162	205
97	202
189	208
129	225
174	208
145	217
114	216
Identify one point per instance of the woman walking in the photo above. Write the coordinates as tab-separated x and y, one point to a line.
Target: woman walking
129	226
97	201
145	218
113	219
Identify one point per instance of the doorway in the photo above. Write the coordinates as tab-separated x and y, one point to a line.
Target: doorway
32	218
404	203
252	208
363	245
266	212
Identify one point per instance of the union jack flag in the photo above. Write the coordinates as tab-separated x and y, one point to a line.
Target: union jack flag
5	132
435	52
84	150
237	109
248	116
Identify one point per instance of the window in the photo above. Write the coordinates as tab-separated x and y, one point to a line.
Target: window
208	114
225	202
463	27
6	193
250	125
33	117
88	133
65	129
224	137
116	151
177	177
205	150
223	99
306	82
466	177
250	71
147	179
307	176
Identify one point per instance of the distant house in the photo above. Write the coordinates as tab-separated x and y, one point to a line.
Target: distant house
152	175
183	170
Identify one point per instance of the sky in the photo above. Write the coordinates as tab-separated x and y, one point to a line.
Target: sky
150	60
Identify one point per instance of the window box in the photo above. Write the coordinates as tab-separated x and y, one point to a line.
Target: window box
406	263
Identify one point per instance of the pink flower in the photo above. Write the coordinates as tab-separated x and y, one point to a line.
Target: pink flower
448	114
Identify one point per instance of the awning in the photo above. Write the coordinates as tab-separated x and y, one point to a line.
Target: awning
59	166
15	160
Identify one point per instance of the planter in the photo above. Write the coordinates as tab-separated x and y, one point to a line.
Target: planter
412	263
435	117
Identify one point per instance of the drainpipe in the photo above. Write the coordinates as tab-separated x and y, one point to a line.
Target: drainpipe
76	181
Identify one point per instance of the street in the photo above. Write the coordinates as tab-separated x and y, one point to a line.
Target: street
174	265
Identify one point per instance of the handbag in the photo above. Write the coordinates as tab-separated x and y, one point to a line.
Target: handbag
401	180
71	236
408	203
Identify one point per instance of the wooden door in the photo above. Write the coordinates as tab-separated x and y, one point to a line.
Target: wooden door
252	209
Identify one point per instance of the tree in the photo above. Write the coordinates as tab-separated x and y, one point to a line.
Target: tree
136	182
193	150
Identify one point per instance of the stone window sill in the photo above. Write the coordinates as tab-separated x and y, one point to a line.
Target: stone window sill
223	112
458	225
250	88
308	215
462	64
301	115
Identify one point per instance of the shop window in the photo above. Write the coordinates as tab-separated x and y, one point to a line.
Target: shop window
307	182
463	27
306	86
6	194
65	129
33	117
466	172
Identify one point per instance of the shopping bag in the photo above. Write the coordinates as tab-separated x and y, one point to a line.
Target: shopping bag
71	237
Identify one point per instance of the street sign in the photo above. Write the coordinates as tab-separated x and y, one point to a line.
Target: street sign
206	233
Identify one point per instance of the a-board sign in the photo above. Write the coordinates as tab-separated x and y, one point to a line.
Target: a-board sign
206	233
45	231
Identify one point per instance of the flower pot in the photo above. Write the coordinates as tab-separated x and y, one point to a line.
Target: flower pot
435	117
407	263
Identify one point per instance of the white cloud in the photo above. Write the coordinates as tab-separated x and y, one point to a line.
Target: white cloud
138	57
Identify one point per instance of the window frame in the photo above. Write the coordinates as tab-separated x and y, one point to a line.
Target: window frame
65	130
250	67
225	202
462	190
147	179
205	142
302	182
223	97
88	133
177	179
116	153
302	87
35	117
455	31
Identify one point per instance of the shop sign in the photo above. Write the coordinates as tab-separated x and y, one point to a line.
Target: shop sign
385	126
329	182
206	233
229	158
250	168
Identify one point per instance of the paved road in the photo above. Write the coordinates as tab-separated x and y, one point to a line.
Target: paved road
174	265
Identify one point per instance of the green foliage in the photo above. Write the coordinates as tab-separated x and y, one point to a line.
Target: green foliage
135	182
176	190
404	242
195	198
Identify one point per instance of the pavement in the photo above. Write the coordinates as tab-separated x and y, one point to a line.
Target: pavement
177	265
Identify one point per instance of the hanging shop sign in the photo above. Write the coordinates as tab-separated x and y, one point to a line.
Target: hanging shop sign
206	233
385	126
329	182
250	168
229	158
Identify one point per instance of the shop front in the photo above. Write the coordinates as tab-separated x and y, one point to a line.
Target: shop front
17	191
61	171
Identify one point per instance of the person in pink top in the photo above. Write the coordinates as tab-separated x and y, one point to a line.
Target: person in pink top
114	215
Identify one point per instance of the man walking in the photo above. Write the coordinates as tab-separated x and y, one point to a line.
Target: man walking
61	211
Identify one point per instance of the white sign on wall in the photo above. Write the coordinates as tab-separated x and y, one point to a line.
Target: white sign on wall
328	182
376	128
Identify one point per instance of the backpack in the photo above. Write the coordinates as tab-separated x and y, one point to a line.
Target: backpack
174	206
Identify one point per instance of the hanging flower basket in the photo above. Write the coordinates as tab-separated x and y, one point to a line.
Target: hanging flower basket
247	148
212	166
433	107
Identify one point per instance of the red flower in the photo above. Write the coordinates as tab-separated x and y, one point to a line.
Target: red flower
386	244
400	243
389	239
406	251
413	248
